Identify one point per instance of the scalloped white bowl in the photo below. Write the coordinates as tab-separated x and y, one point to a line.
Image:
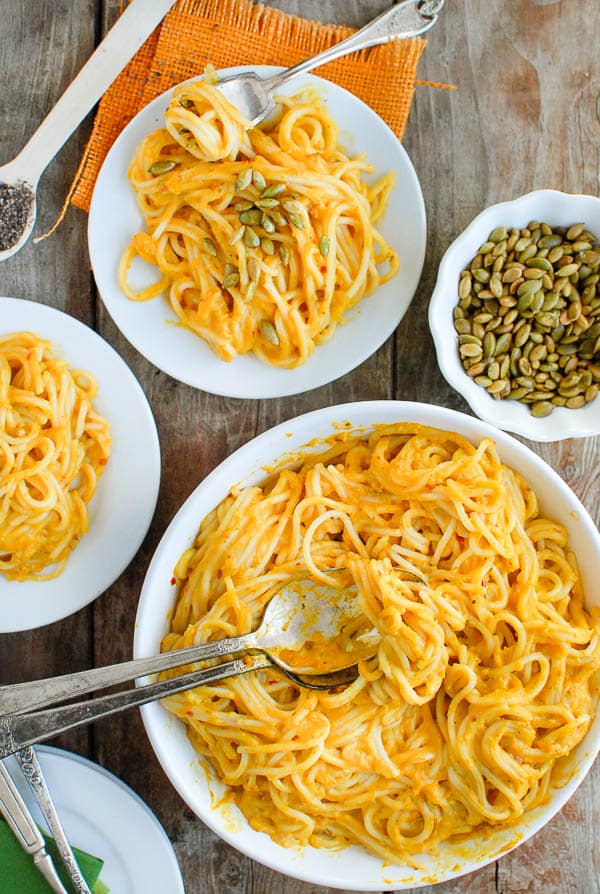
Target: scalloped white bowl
352	868
548	206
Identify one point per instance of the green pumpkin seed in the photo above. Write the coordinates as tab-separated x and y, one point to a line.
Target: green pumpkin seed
267	224
568	270
297	220
279	218
162	167
551	241
484	381
470	351
272	191
209	246
529	287
244	205
243	179
481	275
324	245
497	387
541	408
498	234
581	246
232	279
591	393
251	238
284	253
252	217
259	180
575	231
267	245
574	403
266	203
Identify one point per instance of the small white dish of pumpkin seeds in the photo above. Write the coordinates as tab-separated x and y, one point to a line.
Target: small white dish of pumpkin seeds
515	315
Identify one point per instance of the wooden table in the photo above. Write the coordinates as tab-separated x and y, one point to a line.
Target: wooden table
526	115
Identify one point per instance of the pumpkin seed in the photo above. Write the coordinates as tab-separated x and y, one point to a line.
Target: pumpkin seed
541	408
253	269
267	203
243	179
232	279
284	253
259	180
267	224
162	167
252	217
575	231
251	238
267	245
324	245
297	220
209	246
272	191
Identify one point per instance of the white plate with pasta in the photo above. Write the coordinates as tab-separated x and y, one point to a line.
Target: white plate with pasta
81	465
332	771
273	271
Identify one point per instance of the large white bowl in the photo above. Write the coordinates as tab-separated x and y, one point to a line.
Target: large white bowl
547	206
115	217
353	868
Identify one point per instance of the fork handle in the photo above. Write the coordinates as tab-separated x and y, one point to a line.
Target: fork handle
21	730
409	18
17	698
34	776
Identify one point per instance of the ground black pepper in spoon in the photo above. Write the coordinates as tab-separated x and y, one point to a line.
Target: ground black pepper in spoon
16	203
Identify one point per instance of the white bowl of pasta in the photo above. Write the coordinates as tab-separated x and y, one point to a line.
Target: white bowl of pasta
474	723
277	265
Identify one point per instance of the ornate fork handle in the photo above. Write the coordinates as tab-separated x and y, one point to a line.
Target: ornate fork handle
407	19
32	771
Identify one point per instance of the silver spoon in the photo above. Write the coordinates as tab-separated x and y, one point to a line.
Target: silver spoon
301	613
253	96
19	177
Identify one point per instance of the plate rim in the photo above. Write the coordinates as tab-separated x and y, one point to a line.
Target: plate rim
152	447
357	357
54	752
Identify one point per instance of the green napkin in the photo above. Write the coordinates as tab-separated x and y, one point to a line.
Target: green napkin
18	875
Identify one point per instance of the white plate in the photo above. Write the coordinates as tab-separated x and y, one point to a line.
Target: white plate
103	816
352	868
122	507
115	217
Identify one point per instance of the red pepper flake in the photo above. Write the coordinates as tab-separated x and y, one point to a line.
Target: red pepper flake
173	581
103	461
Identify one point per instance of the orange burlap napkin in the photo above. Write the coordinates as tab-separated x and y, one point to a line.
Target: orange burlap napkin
237	32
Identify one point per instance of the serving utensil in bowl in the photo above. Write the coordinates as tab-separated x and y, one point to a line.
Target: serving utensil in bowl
253	95
19	178
302	615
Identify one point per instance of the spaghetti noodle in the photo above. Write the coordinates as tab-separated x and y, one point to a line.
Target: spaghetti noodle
485	676
263	237
53	448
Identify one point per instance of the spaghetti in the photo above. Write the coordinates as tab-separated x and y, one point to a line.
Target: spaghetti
263	237
53	448
485	676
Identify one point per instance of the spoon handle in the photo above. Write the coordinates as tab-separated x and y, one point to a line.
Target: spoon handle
124	39
22	730
17	698
409	18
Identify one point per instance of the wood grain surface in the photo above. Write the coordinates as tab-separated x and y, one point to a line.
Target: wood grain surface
526	114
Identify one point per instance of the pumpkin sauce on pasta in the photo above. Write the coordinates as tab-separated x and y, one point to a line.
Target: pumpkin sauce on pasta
485	675
264	237
53	448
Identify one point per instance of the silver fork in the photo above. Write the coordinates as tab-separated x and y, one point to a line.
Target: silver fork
253	96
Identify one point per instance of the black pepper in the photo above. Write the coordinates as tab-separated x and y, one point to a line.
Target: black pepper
15	207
